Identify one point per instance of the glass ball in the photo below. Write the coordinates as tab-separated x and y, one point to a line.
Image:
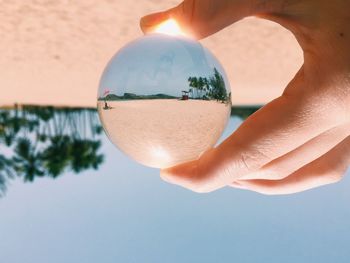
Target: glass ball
164	100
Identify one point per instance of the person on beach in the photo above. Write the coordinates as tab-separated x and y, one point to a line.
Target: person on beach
300	140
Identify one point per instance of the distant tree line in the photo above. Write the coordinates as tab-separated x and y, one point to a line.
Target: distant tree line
47	141
209	88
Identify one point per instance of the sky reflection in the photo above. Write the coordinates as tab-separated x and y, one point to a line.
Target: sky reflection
124	213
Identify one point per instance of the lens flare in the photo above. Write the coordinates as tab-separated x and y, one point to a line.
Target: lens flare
170	27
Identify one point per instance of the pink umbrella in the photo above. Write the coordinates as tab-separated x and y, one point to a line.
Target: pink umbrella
106	92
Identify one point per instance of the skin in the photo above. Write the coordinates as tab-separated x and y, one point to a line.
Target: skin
300	140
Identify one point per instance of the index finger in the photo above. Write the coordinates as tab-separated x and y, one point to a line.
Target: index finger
278	128
200	18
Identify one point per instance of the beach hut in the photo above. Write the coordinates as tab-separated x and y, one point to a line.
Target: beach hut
184	95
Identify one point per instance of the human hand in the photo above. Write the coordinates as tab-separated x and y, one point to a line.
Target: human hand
298	141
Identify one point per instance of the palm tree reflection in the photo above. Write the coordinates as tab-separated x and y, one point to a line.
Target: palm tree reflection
47	141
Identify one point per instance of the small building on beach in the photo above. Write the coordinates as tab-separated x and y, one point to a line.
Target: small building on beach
184	95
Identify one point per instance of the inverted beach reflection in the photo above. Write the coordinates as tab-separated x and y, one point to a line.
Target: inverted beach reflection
163	133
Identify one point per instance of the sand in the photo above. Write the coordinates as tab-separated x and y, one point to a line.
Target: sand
53	52
163	133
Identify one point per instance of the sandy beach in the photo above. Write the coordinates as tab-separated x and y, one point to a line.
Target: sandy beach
163	133
54	52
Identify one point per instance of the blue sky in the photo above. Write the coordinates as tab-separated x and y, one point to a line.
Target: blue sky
158	64
125	213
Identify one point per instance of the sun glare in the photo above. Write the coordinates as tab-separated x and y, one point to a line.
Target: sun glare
170	27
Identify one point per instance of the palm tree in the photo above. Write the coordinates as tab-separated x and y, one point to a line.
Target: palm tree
200	85
218	87
6	172
84	155
56	156
193	82
45	141
191	91
27	160
207	88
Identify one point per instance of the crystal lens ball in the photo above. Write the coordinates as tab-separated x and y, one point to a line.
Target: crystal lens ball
164	100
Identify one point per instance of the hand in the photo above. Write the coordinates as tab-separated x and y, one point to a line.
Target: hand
298	141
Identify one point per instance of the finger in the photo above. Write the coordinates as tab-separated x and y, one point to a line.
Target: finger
327	169
149	22
199	18
278	128
301	156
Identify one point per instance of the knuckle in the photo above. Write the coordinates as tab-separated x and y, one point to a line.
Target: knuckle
251	161
243	164
245	161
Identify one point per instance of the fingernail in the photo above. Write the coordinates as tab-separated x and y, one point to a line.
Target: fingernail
238	185
165	176
152	20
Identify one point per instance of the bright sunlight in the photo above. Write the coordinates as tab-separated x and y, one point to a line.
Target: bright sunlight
170	27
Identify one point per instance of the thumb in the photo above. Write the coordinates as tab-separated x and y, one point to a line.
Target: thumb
199	18
149	22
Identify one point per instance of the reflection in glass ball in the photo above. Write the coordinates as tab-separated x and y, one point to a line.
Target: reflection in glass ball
164	100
